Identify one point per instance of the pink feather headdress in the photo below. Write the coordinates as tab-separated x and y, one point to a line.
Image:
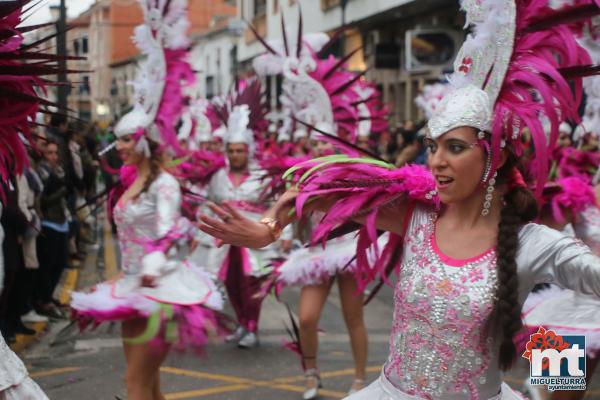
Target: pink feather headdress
516	67
159	85
321	93
572	194
21	86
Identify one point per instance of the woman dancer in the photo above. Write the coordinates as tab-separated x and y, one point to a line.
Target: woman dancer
321	91
315	269
465	270
162	299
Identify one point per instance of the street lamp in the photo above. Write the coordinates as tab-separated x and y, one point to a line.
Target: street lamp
61	50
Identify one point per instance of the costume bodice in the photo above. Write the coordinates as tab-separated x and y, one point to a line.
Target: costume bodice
245	196
147	218
439	346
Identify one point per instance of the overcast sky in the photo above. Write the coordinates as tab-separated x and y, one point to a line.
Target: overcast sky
42	13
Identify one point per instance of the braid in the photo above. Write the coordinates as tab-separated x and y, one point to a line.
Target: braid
519	209
155	167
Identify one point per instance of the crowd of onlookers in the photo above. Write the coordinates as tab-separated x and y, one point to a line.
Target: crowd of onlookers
401	144
46	223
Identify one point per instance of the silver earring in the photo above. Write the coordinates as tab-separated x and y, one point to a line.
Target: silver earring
487	204
431	194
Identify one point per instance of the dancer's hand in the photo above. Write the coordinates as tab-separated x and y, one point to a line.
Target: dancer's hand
233	228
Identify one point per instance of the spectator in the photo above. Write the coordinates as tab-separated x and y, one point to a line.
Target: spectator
383	145
30	190
14	224
408	147
52	245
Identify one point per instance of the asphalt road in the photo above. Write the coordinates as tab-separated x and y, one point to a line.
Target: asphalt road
73	366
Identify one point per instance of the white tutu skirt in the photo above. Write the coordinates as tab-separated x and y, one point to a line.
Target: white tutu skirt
382	389
567	313
314	265
179	313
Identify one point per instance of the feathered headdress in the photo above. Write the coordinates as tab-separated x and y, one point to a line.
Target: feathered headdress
158	87
243	113
21	86
430	98
321	93
513	69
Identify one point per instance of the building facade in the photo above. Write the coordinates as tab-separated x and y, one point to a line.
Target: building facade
403	44
214	58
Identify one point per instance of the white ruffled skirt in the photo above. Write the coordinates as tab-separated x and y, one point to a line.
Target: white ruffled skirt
382	389
567	313
182	310
314	265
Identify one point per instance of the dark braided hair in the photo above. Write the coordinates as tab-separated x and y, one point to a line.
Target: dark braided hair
155	166
520	207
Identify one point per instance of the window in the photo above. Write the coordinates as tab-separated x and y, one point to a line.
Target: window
84	45
84	87
76	47
329	4
210	87
234	60
260	7
114	88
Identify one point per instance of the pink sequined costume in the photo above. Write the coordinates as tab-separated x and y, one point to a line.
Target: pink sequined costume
181	306
149	228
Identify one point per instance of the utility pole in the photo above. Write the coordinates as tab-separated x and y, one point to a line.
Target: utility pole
61	51
343	4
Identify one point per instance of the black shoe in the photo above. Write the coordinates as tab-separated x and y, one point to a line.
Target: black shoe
50	311
22	329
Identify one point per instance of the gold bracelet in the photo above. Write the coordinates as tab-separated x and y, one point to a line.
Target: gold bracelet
274	227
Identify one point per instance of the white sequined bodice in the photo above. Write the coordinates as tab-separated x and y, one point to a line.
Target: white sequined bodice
438	347
12	370
147	218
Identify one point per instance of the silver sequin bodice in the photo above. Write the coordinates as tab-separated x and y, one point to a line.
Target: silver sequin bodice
438	348
146	218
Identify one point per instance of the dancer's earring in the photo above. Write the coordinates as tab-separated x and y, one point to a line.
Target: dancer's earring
489	195
487	204
431	194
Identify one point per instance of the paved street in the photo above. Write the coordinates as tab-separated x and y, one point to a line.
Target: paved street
70	366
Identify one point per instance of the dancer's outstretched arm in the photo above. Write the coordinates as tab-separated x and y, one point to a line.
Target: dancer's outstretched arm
233	228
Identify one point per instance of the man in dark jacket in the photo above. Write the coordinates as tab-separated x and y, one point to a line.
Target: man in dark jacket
52	244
